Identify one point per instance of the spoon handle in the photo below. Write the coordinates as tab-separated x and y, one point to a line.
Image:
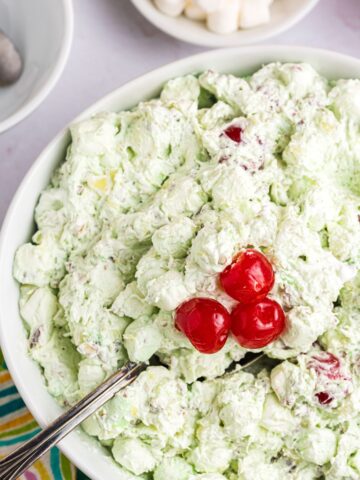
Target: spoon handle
12	466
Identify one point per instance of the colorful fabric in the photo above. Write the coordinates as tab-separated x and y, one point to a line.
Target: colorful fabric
17	425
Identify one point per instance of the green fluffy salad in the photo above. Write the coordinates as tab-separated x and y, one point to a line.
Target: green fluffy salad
147	210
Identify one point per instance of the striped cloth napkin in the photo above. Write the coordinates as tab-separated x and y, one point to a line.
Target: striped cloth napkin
17	425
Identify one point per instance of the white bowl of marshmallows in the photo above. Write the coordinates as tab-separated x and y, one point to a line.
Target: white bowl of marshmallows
221	23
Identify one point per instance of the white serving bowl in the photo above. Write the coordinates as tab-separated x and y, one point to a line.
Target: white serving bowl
19	225
42	31
284	14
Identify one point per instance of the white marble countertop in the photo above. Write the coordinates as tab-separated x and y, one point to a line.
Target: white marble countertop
113	44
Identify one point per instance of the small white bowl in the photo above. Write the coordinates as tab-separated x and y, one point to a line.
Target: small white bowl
284	14
42	31
18	225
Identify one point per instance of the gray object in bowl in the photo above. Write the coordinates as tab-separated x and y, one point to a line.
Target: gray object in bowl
10	61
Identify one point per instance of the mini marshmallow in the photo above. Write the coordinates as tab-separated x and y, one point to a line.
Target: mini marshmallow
225	19
221	16
173	8
254	13
210	6
194	11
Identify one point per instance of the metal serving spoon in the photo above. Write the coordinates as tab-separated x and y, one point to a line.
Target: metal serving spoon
11	64
12	466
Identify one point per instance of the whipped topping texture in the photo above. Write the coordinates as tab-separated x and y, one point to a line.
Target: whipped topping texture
148	208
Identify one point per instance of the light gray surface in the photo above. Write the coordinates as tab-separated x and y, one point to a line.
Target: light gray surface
113	44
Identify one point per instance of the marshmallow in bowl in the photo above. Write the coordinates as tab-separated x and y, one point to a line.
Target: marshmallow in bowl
194	10
224	19
254	13
221	16
173	8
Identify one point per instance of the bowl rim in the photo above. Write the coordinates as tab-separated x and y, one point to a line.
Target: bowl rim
70	446
210	39
34	102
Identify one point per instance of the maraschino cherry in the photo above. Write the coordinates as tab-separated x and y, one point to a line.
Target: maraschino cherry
255	325
205	322
249	278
